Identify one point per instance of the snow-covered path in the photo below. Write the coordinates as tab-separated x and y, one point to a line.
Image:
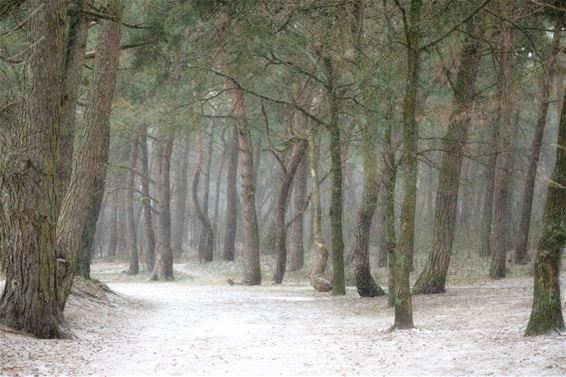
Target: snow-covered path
217	330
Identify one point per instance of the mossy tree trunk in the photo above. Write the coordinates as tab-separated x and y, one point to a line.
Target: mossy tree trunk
433	277
546	315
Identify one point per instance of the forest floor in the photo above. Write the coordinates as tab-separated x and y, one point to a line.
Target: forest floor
198	325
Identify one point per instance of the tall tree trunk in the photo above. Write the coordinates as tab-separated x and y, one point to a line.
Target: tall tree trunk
336	203
504	161
146	204
433	277
252	269
404	250
75	48
521	252
317	279
179	225
27	173
389	179
546	314
286	177
206	238
91	156
365	284
217	196
487	207
297	252
113	238
134	267
231	200
163	268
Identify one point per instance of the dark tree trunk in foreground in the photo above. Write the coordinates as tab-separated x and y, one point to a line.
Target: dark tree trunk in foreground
133	257
365	283
179	225
252	269
404	251
317	279
546	314
146	204
286	178
163	268
433	277
504	159
206	238
231	200
297	252
27	175
521	252
336	203
75	48
91	155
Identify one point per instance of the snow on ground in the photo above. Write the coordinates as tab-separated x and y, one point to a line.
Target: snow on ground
183	328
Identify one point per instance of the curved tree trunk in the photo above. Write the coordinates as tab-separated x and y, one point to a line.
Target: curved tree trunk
231	200
521	252
546	314
146	204
163	268
317	279
91	156
252	269
297	252
134	267
365	283
27	175
179	225
206	238
504	160
282	203
433	277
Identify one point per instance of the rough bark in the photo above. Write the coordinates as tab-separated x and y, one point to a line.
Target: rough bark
317	279
404	249
75	48
252	269
134	265
231	200
179	225
163	268
146	204
546	315
286	178
433	277
28	200
297	252
504	159
91	155
521	248
206	237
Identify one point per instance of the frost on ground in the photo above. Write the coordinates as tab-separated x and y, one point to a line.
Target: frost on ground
190	328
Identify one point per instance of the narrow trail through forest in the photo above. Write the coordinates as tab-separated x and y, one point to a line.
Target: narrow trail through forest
178	329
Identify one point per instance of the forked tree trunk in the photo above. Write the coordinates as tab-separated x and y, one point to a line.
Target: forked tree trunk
286	178
252	269
179	225
231	200
297	252
146	204
28	200
91	156
365	283
504	159
317	279
521	252
433	277
163	268
206	237
546	314
134	267
404	250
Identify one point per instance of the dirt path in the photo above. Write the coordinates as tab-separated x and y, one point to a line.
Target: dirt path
220	330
